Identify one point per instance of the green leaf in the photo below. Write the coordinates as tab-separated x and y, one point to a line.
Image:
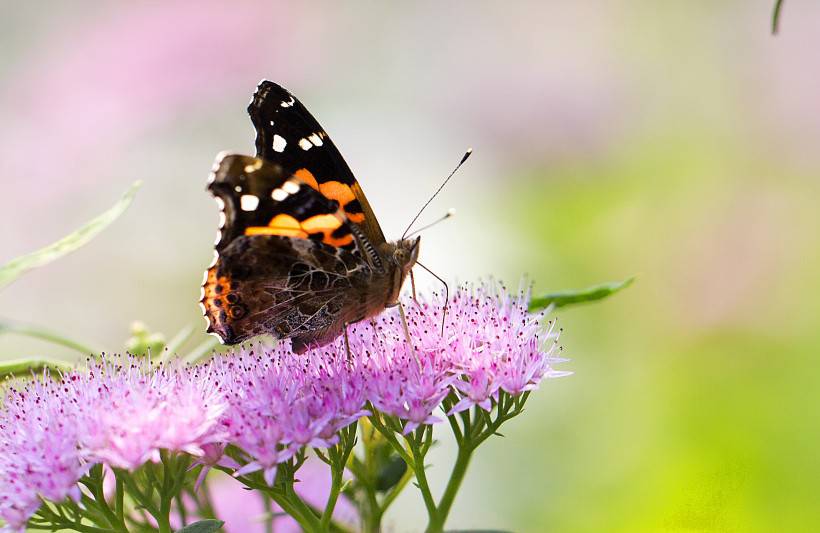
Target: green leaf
201	351
143	341
45	335
14	268
24	367
577	296
203	526
176	342
390	473
778	5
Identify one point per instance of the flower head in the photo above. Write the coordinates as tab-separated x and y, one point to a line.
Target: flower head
127	411
280	402
38	450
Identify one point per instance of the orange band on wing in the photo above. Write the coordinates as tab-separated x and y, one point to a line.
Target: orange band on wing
321	223
288	226
342	241
267	230
337	191
307	176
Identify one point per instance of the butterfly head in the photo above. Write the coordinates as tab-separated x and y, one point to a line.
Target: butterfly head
406	254
401	256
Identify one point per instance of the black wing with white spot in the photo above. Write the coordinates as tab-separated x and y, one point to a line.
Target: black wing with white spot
258	198
289	136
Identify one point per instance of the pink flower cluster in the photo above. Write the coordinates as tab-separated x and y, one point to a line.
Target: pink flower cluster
118	411
268	402
279	402
491	342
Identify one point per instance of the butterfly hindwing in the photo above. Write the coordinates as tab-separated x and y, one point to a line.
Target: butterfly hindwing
289	136
284	286
286	263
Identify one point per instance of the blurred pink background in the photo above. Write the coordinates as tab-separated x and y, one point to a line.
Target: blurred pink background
675	141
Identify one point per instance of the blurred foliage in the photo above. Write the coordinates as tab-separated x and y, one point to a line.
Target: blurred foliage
16	267
564	298
692	407
778	5
30	366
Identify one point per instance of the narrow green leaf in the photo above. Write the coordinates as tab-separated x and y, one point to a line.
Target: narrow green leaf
24	367
45	335
201	351
203	526
778	5
176	342
14	268
577	296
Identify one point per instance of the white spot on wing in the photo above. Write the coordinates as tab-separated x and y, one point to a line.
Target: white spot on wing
256	165
278	195
290	187
279	143
305	144
288	103
238	188
213	263
220	203
315	139
222	219
248	202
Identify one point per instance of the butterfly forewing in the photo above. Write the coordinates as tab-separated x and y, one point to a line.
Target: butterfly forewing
289	136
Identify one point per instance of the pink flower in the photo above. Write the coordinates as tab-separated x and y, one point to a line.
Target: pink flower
491	342
128	412
38	451
280	402
213	455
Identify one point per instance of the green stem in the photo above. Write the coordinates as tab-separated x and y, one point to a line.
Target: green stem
295	507
119	506
390	436
113	519
335	489
287	499
454	483
421	479
268	506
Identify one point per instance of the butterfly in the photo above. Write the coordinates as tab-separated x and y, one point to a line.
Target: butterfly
299	253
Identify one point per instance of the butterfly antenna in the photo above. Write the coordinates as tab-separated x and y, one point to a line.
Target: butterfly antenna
415	218
446	295
450	212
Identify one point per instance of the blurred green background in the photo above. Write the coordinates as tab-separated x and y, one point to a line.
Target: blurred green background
674	141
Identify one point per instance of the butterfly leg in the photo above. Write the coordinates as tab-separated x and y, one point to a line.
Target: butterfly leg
347	345
413	285
407	333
